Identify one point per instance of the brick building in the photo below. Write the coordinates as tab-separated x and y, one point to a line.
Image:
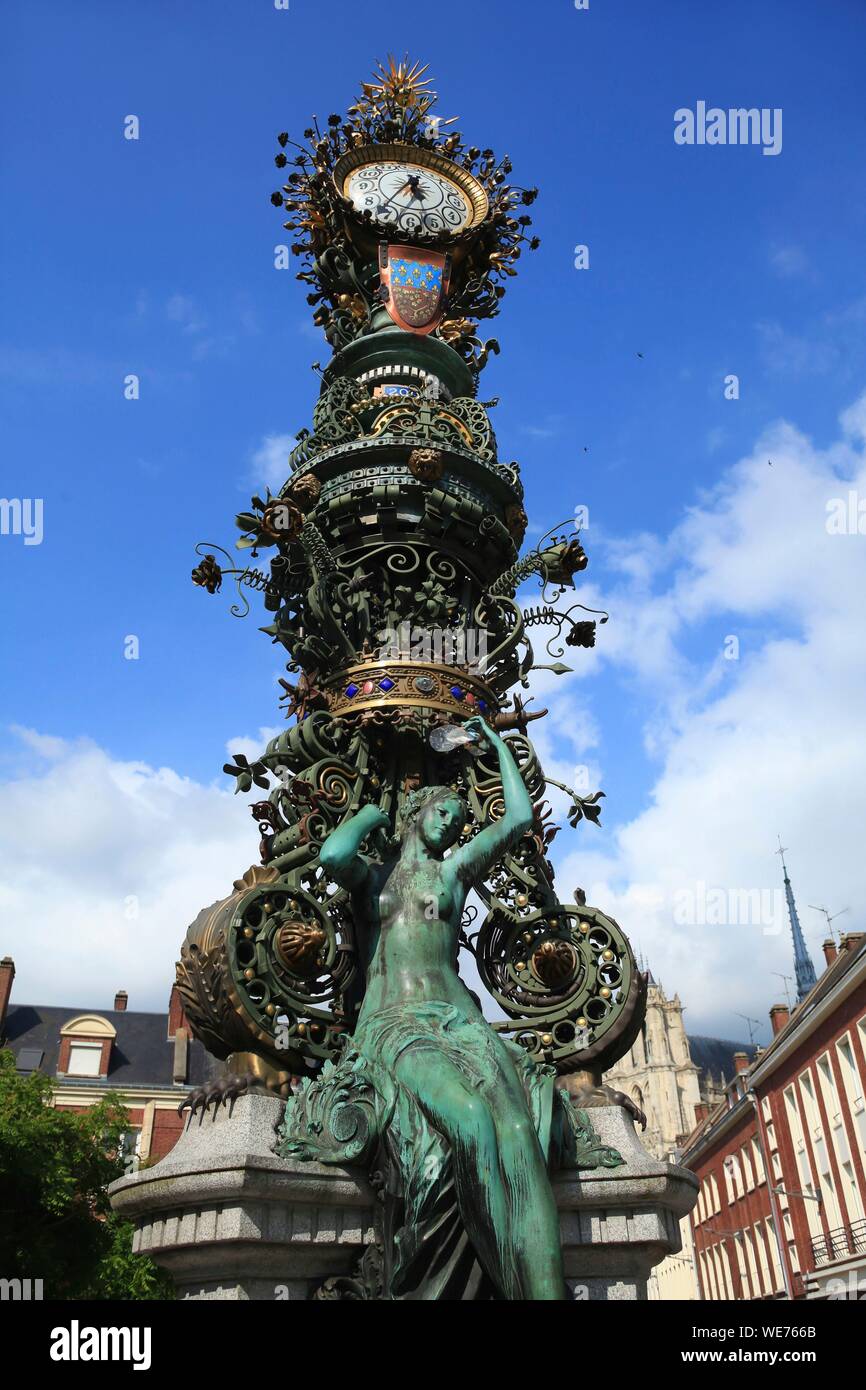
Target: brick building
673	1076
782	1159
150	1059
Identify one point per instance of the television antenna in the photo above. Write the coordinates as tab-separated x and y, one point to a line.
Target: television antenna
826	913
787	979
753	1024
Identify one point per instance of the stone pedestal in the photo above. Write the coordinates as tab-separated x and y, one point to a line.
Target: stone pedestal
230	1220
617	1224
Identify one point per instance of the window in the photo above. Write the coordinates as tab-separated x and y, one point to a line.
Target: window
753	1268
820	1151
833	1104
747	1169
733	1177
745	1287
853	1083
805	1169
130	1148
29	1059
791	1242
763	1257
88	1037
758	1160
810	1108
84	1059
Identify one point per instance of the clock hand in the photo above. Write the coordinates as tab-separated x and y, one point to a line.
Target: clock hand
413	184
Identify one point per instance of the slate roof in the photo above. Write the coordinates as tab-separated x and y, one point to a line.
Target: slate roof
142	1054
715	1056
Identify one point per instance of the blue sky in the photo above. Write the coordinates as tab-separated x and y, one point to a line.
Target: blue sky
156	257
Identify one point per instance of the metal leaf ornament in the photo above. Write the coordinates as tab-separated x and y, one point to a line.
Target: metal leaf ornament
246	773
585	808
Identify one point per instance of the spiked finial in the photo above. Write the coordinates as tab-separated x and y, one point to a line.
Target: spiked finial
804	970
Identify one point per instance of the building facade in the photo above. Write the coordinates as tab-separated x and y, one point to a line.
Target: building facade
781	1159
674	1078
150	1059
670	1074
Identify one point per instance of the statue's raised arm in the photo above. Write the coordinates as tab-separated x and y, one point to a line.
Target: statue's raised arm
340	857
472	861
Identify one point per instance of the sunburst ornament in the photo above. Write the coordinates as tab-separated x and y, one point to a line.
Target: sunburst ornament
400	88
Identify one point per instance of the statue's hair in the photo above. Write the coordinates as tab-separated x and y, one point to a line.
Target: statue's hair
417	800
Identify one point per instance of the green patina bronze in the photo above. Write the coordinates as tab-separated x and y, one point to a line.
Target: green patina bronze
336	959
466	1122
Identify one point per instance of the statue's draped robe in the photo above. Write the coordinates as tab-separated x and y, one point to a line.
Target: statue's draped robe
359	1112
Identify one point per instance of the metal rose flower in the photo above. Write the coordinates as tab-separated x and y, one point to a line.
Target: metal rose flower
208	574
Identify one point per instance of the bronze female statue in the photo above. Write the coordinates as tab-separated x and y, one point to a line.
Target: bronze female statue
464	1117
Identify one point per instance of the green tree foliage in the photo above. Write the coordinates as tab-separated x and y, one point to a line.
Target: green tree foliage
56	1223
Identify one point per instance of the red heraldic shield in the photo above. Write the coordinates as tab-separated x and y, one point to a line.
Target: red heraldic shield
414	286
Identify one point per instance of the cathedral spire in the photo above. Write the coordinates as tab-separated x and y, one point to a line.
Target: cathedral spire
804	970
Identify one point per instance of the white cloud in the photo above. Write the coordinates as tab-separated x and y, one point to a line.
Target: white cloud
252	748
103	865
269	466
771	743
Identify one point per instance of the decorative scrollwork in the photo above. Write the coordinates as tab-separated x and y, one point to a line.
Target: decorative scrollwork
336	416
334	1117
567	979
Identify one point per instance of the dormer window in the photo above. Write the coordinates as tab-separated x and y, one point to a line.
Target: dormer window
85	1046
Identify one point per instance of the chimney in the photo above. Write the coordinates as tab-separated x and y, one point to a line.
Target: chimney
176	1015
181	1056
702	1110
779	1016
829	948
7	975
851	941
121	999
741	1061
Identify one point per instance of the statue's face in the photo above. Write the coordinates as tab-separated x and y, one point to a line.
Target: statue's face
441	822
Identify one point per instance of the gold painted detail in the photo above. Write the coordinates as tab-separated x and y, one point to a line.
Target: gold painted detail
299	946
419	157
414	684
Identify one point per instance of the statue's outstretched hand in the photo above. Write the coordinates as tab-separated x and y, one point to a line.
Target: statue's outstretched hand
482	730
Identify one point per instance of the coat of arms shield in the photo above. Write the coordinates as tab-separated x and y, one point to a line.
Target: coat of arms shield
414	286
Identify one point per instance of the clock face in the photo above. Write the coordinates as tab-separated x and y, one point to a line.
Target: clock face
410	196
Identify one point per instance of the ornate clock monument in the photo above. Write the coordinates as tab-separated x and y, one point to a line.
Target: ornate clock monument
402	813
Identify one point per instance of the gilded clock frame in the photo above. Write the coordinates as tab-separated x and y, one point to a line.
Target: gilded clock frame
421	158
